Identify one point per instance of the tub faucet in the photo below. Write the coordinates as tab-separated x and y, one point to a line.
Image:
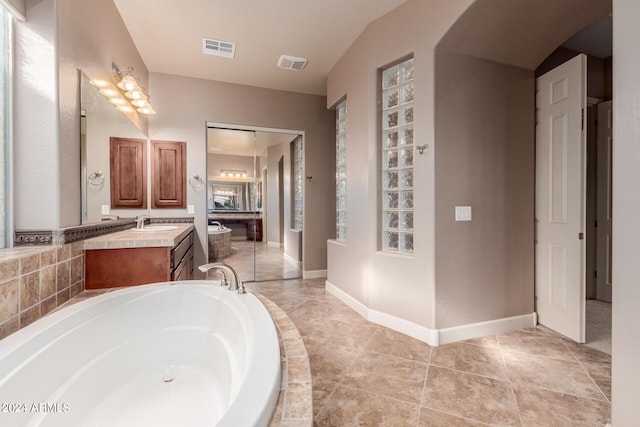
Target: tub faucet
140	220
216	223
235	285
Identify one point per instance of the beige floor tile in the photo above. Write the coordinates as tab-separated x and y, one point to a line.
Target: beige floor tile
345	333
352	407
388	341
474	359
470	396
431	418
394	377
329	361
540	407
536	342
563	376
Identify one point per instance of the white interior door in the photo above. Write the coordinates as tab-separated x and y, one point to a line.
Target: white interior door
603	253
561	198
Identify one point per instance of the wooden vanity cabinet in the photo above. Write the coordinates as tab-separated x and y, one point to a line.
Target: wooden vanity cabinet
110	268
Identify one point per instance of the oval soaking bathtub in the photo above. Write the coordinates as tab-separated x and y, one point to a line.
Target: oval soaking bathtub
177	353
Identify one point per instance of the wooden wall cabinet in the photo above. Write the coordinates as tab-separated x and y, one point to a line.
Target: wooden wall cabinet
168	174
128	173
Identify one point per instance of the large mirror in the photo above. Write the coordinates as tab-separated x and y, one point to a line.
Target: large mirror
254	201
99	121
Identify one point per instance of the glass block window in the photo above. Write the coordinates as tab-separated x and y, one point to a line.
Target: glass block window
397	157
341	171
296	165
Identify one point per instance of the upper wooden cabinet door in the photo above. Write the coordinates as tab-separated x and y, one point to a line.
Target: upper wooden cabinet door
168	174
128	172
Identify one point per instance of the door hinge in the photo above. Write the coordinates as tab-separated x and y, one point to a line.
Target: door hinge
595	274
581	236
595	224
582	119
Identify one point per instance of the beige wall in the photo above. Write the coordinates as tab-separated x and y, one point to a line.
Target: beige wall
626	204
485	159
479	125
401	286
185	105
86	36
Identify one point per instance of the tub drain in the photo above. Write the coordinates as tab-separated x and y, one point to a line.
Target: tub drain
168	378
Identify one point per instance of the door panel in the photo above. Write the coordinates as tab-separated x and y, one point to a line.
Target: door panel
605	141
561	198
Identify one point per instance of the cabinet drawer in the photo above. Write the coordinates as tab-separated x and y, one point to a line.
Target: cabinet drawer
180	250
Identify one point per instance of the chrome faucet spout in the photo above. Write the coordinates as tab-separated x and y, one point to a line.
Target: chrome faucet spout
140	220
235	285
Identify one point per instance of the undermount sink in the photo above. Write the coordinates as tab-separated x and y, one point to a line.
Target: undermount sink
150	228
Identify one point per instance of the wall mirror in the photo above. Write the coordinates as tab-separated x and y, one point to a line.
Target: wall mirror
254	200
99	122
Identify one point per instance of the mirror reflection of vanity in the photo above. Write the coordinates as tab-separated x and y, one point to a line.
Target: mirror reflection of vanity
231	195
99	122
250	189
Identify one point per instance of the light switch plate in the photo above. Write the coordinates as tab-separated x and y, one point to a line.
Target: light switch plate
191	209
463	213
105	209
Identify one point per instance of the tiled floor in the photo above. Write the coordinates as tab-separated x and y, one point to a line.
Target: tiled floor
269	262
367	375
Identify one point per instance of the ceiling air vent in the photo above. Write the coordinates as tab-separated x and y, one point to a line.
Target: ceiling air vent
292	62
218	48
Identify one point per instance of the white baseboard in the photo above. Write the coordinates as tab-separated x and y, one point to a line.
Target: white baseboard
314	274
275	244
433	337
292	261
489	327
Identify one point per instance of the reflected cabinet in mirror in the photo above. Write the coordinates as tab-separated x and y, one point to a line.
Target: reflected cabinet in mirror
100	121
123	173
252	200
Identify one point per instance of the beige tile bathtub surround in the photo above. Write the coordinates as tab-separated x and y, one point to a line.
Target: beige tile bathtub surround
35	280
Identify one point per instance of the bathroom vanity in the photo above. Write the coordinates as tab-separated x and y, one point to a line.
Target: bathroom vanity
157	253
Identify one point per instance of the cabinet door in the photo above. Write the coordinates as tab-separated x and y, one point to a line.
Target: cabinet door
128	172
168	174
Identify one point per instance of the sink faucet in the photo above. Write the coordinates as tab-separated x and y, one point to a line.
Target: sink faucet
140	220
109	217
235	285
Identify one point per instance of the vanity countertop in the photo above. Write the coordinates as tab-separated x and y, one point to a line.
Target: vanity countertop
150	237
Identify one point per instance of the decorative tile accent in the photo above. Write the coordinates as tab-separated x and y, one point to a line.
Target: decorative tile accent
63	236
295	405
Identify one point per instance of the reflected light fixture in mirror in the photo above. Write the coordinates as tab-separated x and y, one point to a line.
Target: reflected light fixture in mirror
233	173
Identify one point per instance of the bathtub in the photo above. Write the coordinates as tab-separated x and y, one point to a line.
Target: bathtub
178	353
219	242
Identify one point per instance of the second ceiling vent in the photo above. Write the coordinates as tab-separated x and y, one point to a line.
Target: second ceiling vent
218	48
289	62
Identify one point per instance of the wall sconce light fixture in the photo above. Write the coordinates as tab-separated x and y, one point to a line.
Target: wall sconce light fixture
134	97
130	85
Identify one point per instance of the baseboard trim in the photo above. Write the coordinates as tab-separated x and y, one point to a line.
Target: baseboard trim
489	327
275	244
434	337
292	261
314	274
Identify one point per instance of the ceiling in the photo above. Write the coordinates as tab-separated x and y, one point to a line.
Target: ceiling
233	142
168	35
595	40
